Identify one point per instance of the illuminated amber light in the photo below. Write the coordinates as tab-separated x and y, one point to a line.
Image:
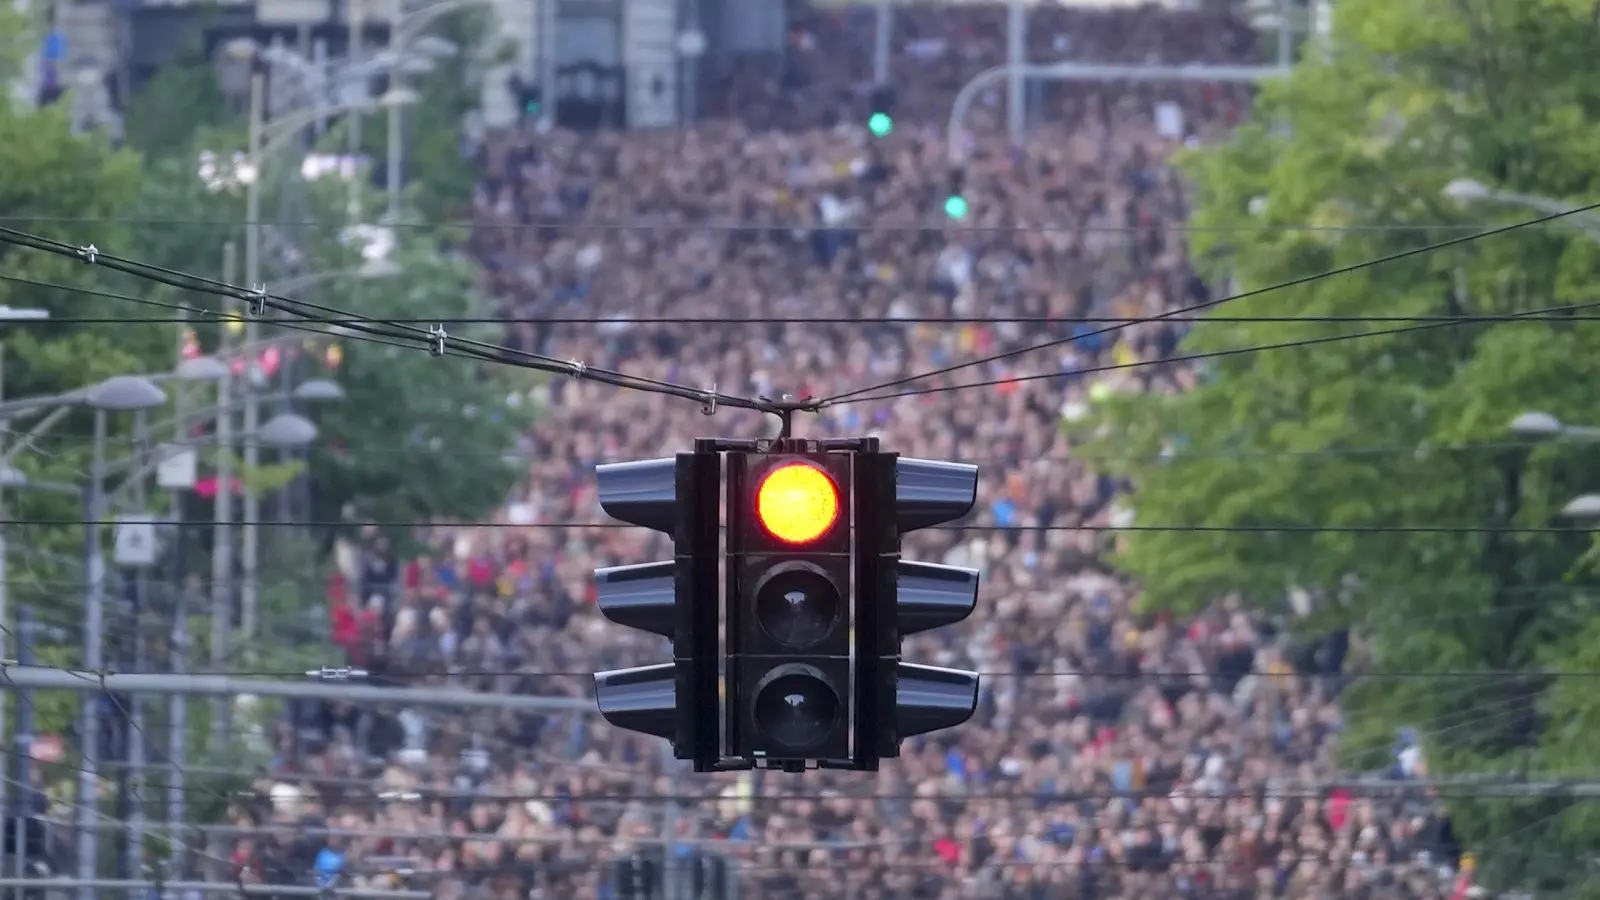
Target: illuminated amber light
797	503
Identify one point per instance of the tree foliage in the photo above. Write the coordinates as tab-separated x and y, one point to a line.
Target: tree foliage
1389	425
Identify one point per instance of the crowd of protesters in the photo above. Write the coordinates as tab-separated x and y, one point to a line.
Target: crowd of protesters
1083	774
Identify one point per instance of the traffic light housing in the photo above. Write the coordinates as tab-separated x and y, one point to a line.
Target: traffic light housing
880	111
908	699
676	599
955	200
789	576
797	660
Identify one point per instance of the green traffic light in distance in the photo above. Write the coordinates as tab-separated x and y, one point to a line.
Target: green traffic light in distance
956	207
880	124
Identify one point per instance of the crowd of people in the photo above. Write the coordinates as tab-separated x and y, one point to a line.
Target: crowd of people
1084	774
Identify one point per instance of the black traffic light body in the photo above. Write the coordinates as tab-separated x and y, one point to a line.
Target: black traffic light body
912	597
789	610
676	599
796	660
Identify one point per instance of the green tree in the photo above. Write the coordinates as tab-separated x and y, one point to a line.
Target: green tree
1402	429
416	437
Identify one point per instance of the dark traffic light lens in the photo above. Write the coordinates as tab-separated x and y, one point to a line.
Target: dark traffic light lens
798	605
796	711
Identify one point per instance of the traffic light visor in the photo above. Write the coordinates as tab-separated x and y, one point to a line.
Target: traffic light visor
797	503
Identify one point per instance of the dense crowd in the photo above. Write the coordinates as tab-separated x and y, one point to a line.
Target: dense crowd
1109	782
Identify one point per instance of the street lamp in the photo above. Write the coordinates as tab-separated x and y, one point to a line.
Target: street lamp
318	390
1468	190
1542	425
203	369
122	393
1583	508
287	431
9	314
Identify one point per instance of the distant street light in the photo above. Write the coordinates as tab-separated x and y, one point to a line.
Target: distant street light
287	430
1542	425
125	393
1463	190
9	314
1583	508
318	390
1467	190
203	368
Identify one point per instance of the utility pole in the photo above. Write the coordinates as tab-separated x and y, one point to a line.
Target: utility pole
357	12
178	704
27	630
1017	56
222	579
93	659
882	44
135	742
250	529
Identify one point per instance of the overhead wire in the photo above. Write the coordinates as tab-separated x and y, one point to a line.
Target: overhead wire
1213	303
1551	314
434	340
1112	529
853	227
1185	358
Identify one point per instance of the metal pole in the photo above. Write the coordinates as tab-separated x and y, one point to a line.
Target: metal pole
45	678
5	618
24	745
882	42
358	12
1087	72
1285	35
1017	56
178	704
136	703
222	580
93	625
672	875
392	179
250	533
549	27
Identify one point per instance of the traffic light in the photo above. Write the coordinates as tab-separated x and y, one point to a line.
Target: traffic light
880	118
903	598
955	203
789	572
676	599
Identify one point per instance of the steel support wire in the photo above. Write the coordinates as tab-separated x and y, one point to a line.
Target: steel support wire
1209	304
1547	311
436	340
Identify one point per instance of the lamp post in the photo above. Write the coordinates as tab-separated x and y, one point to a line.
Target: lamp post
1468	190
123	393
265	140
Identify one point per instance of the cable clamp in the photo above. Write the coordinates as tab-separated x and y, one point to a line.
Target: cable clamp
708	402
578	368
258	301
89	253
436	341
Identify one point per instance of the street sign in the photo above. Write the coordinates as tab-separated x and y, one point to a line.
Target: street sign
178	469
135	541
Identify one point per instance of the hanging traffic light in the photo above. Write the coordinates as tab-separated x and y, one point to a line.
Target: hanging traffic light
676	599
790	536
955	203
880	118
902	598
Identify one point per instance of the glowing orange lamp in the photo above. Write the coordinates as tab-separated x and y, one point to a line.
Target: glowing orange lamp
797	503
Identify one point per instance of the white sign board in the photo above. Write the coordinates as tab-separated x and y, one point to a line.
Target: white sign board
135	541
178	467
